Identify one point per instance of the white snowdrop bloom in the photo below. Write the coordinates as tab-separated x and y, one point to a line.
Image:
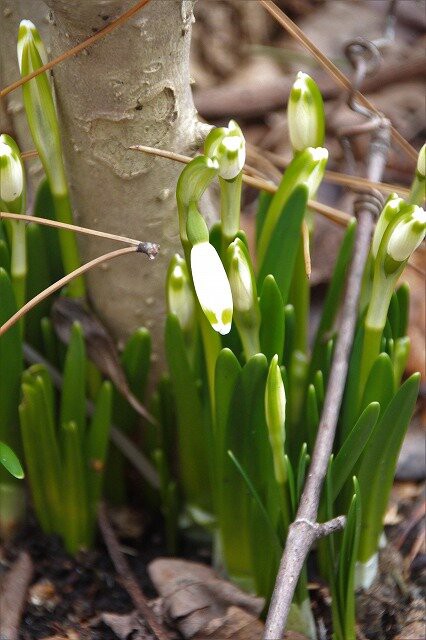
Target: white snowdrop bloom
212	286
228	146
11	175
407	235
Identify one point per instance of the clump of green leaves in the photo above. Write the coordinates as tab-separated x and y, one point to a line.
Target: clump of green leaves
65	451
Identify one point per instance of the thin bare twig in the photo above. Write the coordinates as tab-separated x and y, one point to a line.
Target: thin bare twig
79	47
306	249
69	227
332	214
335	177
13	595
127	578
334	71
301	537
274	160
148	248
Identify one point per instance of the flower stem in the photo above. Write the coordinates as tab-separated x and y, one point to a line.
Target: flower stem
68	244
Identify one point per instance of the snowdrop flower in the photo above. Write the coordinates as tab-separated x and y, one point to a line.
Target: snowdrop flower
421	162
244	295
208	274
12	184
212	286
305	112
389	213
241	277
228	146
39	106
407	234
180	298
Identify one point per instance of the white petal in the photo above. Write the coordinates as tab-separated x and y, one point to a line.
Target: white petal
212	286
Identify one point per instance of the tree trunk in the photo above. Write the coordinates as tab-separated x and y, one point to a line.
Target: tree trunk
131	87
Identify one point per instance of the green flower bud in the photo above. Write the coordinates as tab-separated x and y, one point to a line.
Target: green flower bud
421	162
305	112
389	213
407	234
244	296
12	183
228	146
212	286
275	409
39	106
241	279
180	299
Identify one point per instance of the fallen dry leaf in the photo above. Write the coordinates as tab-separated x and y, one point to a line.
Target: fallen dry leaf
202	605
126	625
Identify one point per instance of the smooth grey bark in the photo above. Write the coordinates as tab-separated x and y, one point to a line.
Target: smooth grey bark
131	87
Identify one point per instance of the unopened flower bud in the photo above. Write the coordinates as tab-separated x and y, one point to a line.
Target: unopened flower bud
305	112
421	162
228	146
39	106
180	298
407	234
275	410
241	277
244	296
12	184
389	212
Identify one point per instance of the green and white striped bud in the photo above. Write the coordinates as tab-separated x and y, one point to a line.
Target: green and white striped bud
39	105
305	112
208	274
275	410
241	277
389	213
244	296
407	234
12	182
401	238
228	146
418	188
421	162
180	298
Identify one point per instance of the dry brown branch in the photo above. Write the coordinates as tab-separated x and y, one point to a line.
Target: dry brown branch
333	214
13	596
148	248
127	578
338	76
335	177
69	227
306	250
79	47
301	534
